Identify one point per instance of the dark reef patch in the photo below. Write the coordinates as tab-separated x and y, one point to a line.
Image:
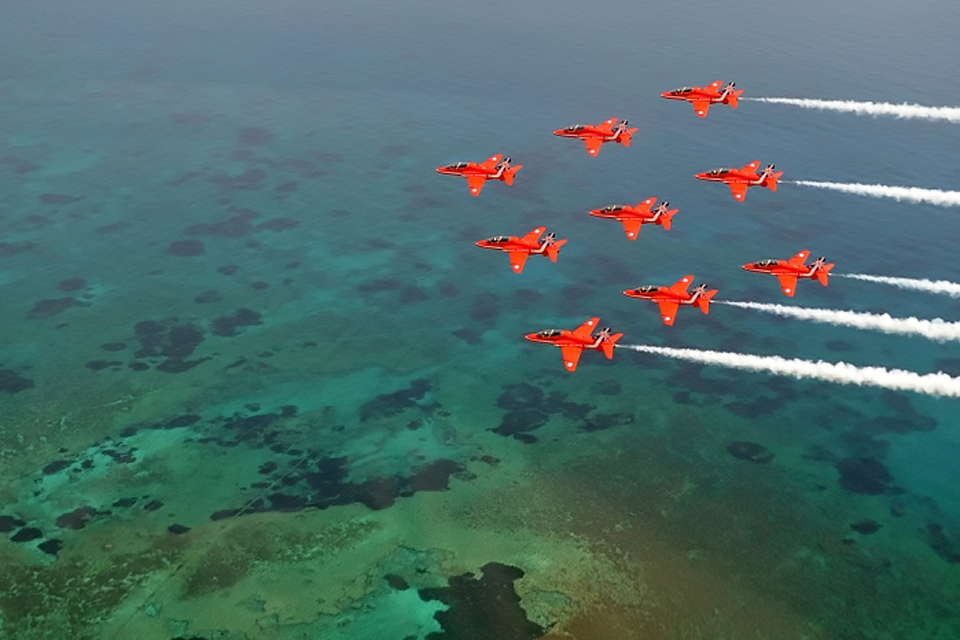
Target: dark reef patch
865	476
185	248
278	224
228	269
749	451
111	228
79	518
486	307
51	546
253	136
484	608
866	526
26	535
72	284
942	544
56	466
602	421
208	296
840	346
391	404
608	387
226	326
98	365
235	226
13	248
470	336
58	198
9	523
47	308
12	382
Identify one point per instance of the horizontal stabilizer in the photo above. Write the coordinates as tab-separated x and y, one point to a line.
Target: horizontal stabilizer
665	219
607	345
704	300
822	275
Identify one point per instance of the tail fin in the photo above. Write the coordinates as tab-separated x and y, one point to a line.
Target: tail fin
665	219
509	173
733	97
554	249
704	300
822	274
607	345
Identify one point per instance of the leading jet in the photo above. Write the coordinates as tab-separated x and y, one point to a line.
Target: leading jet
672	297
594	135
477	173
634	216
739	179
788	271
703	97
520	248
572	343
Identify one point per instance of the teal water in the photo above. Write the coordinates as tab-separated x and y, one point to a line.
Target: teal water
240	202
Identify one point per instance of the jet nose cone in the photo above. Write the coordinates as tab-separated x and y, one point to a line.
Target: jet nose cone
481	243
532	337
747	266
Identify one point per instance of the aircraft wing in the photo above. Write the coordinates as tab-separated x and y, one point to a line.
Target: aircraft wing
752	167
644	207
593	145
571	356
668	311
788	283
739	190
607	125
586	328
631	228
475	184
534	235
680	286
800	258
492	161
517	260
701	107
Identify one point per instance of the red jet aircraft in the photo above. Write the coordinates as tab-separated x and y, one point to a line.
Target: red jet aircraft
670	298
702	98
739	179
594	135
571	343
787	271
633	217
520	248
493	168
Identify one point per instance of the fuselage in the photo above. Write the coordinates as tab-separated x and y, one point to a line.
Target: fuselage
513	243
782	267
665	294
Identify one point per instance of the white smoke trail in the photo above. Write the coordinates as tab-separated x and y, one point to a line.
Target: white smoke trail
910	194
911	111
934	384
944	287
935	329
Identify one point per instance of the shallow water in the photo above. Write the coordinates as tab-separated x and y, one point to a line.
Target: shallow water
259	383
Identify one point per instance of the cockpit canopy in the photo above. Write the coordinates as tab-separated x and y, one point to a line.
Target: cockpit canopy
612	207
647	288
549	333
718	172
682	90
576	127
458	165
498	239
767	263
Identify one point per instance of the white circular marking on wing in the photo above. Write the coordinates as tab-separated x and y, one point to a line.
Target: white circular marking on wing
630	234
516	266
787	289
666	318
569	364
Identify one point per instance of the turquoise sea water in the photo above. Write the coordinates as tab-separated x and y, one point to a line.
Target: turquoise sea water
258	382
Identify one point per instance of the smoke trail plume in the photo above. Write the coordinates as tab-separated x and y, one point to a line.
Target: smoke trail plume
911	111
935	329
944	287
910	194
934	384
